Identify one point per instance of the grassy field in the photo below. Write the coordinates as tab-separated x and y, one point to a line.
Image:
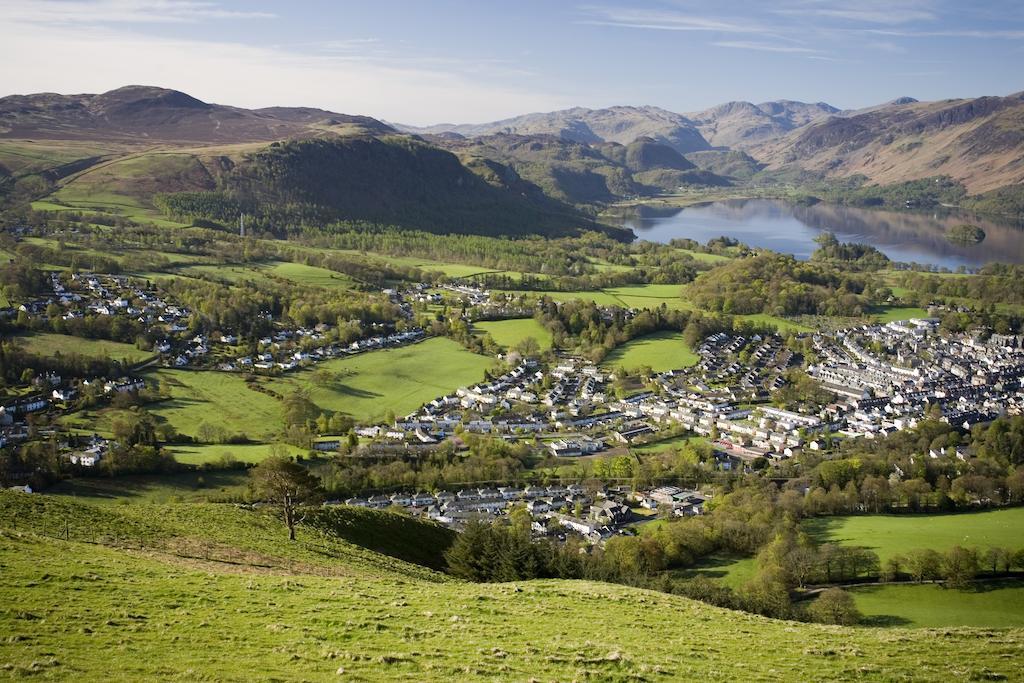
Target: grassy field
298	273
400	380
887	314
890	535
727	570
48	344
666	444
992	604
650	296
508	333
661	351
148	489
204	592
455	270
781	324
218	398
198	454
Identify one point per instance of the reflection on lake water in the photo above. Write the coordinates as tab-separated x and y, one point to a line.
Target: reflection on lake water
910	237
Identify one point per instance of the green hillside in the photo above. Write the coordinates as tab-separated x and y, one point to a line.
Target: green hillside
389	179
206	592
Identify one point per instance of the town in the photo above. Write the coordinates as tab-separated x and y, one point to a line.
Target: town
877	378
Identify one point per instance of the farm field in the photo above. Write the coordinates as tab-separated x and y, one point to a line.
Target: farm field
650	296
781	324
199	454
155	488
49	344
508	333
992	604
727	570
399	380
661	351
706	258
299	273
211	592
888	314
455	270
219	398
890	535
666	444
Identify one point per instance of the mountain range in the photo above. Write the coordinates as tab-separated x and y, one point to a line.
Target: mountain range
541	172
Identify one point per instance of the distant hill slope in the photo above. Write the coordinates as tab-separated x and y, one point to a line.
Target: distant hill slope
233	600
741	125
122	150
153	115
979	142
578	172
539	173
392	179
614	124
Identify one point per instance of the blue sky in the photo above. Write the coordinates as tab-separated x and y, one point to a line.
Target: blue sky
431	61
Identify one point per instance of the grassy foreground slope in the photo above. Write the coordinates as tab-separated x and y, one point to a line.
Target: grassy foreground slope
240	603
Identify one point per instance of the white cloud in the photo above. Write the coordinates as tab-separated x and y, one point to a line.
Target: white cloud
96	12
764	47
666	20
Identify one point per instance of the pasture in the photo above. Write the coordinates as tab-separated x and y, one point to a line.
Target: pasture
153	488
990	604
660	351
50	344
888	314
368	385
508	333
220	399
200	454
890	535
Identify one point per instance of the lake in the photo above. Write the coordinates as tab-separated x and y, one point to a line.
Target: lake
906	236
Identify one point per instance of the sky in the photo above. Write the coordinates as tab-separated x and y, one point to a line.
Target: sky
422	62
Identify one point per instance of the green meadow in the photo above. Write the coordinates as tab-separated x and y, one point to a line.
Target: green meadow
152	488
199	454
888	314
989	604
890	535
368	385
49	344
727	570
221	399
660	351
508	333
215	592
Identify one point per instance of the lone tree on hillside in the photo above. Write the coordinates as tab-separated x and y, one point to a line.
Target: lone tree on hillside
280	481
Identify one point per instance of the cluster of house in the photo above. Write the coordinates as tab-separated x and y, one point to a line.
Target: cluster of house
104	294
567	403
887	377
557	511
52	389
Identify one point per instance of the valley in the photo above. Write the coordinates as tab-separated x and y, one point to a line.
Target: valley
603	394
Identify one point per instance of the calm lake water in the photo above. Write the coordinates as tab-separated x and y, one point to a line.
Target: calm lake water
910	237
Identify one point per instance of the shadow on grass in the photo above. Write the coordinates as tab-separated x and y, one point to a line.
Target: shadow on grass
149	488
826	530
